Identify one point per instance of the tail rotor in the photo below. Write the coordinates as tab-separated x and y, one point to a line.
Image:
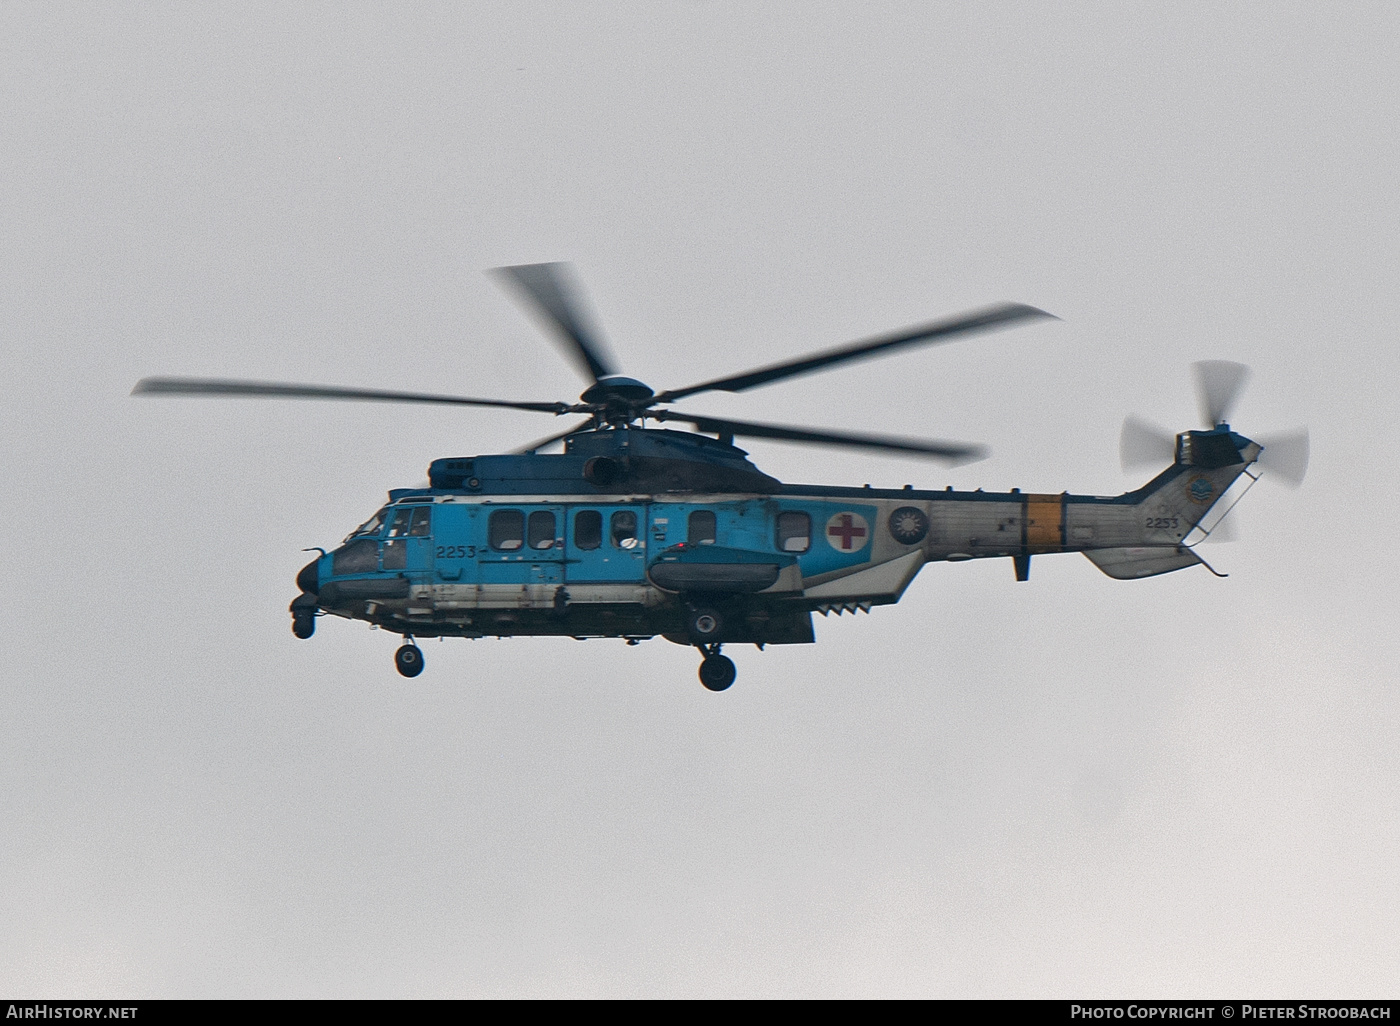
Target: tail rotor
1144	444
1285	456
1218	386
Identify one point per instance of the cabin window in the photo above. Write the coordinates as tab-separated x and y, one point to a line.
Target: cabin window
794	532
588	529
700	528
359	557
624	529
395	555
541	530
505	531
373	525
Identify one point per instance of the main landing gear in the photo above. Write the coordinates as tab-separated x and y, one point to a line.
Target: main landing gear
704	625
408	660
716	671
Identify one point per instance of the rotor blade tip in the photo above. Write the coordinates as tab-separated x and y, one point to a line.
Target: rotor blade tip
1286	456
972	456
150	386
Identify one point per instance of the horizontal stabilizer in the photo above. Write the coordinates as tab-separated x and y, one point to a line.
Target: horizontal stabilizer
1133	563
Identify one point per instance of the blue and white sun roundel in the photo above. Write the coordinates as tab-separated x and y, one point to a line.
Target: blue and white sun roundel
847	532
908	525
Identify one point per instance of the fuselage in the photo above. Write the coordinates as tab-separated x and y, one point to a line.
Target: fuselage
628	532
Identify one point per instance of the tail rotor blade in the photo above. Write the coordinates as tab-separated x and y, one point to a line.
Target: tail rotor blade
1218	385
1143	444
1286	456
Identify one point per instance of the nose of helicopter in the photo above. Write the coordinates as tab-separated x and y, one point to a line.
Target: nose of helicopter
303	607
309	577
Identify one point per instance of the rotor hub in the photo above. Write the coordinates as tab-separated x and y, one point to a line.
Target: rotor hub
617	389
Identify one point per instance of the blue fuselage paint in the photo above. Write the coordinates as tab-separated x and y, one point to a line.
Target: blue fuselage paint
461	550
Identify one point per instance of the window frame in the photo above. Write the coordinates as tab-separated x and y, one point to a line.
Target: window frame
499	516
634	537
597	539
536	516
350	558
393	554
381	517
690	527
400	523
780	542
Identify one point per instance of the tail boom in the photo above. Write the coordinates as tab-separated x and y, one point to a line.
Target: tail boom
1141	533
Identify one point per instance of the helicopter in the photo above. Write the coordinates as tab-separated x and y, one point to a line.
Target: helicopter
635	532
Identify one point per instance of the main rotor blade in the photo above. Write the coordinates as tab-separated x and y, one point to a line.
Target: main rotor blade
269	389
1143	444
1286	455
1218	385
546	442
553	295
1001	315
954	452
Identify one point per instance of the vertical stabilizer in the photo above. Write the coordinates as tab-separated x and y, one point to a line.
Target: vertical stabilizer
1169	506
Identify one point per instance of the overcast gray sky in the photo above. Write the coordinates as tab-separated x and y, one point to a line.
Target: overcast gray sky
1074	786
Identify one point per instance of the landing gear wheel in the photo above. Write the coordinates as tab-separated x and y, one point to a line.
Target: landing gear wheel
304	623
409	660
717	672
704	625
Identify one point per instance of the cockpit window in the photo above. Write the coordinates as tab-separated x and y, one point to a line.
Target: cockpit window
372	526
358	557
415	522
398	527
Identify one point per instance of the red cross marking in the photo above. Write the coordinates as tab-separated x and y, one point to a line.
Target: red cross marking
846	530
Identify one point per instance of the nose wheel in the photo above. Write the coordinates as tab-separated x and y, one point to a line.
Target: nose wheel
717	672
408	660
